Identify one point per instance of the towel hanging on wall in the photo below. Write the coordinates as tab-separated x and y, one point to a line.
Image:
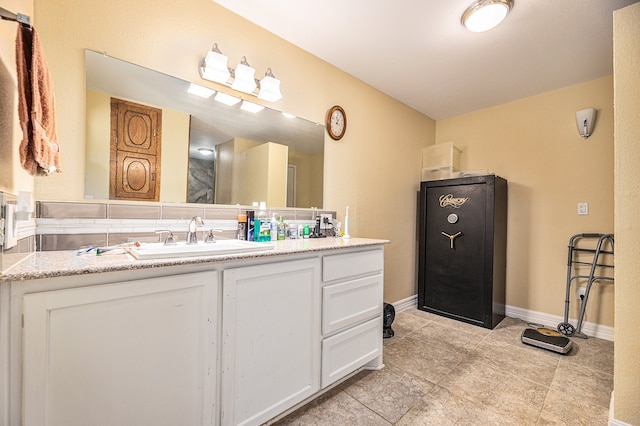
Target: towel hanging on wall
39	149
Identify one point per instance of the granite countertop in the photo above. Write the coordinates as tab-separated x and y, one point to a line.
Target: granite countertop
49	264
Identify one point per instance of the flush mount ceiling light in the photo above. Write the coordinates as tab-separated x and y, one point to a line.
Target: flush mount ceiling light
483	15
214	68
206	151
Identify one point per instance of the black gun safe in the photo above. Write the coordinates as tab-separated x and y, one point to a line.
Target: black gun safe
462	245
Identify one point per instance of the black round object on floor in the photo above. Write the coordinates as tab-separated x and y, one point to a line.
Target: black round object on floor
388	315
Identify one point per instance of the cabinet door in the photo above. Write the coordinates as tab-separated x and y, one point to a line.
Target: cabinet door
271	339
136	353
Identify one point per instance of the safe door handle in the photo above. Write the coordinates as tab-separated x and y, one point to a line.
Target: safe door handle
451	237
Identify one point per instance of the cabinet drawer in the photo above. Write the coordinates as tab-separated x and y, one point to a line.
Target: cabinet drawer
340	266
350	302
347	351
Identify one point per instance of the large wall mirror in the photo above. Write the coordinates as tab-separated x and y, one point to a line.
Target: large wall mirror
149	138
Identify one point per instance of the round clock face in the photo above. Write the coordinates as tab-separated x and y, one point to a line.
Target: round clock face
336	122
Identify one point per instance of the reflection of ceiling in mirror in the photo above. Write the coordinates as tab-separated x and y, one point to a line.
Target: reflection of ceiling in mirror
212	122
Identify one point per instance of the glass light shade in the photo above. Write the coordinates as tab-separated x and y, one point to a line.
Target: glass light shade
484	15
244	80
251	107
226	99
206	151
270	89
215	67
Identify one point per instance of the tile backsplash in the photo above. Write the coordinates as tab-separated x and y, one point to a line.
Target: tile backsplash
67	225
24	230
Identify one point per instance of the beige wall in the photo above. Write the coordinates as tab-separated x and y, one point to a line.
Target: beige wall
535	145
374	169
13	178
626	45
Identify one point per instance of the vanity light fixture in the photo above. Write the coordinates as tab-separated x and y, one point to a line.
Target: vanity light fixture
244	77
484	15
204	92
214	68
269	87
206	151
251	107
226	99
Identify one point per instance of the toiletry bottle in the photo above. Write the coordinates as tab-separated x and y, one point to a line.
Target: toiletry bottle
273	227
293	231
300	231
282	229
305	231
250	225
263	229
242	224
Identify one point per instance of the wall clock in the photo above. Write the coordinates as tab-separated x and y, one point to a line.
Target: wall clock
336	122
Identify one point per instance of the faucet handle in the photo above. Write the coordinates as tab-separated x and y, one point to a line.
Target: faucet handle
169	241
209	239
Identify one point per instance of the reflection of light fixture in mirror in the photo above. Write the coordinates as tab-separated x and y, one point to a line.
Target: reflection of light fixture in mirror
204	92
215	66
269	87
251	107
584	120
483	15
286	114
226	99
206	151
243	77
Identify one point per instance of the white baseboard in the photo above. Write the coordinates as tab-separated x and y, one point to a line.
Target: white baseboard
612	421
588	328
551	321
404	304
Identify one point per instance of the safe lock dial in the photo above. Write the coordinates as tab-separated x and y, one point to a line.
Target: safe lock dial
451	237
452	218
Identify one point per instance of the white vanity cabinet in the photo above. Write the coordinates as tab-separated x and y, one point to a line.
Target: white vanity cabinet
271	339
352	294
141	352
234	341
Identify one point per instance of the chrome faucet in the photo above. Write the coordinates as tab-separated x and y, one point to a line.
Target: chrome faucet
192	238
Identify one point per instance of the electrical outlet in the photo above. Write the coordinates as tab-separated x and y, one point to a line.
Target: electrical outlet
580	292
583	209
325	221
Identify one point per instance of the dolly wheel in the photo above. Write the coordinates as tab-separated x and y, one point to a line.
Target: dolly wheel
566	329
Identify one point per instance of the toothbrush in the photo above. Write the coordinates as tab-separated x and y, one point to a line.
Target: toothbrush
346	235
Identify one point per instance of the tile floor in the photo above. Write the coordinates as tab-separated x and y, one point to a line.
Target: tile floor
443	372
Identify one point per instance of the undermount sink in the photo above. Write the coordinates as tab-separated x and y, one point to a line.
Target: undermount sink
160	251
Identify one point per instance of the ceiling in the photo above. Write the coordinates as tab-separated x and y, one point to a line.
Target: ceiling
417	52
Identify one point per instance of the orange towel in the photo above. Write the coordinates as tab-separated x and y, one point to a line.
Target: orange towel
39	149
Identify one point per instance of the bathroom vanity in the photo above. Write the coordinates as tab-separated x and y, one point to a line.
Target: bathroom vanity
235	339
